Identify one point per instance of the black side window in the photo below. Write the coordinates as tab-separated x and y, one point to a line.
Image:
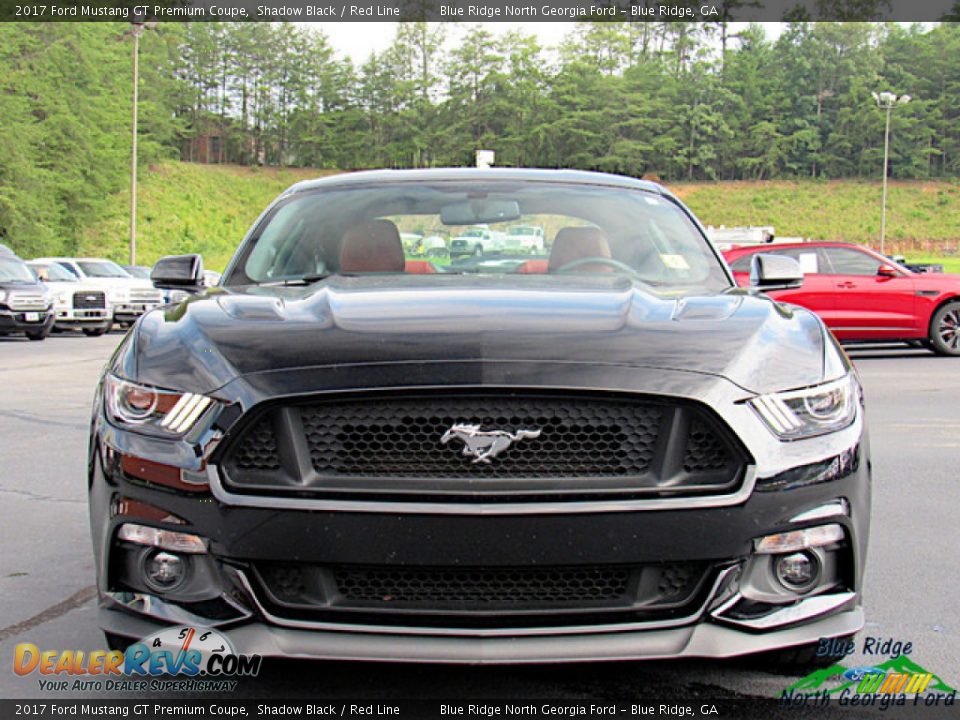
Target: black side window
850	262
68	268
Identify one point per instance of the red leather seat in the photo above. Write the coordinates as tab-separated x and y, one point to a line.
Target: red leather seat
420	267
372	247
576	243
532	267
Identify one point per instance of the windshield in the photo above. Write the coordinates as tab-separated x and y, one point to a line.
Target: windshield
586	229
102	269
15	271
52	272
138	271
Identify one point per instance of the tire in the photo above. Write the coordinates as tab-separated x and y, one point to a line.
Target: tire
117	642
799	660
95	332
945	330
39	335
125	324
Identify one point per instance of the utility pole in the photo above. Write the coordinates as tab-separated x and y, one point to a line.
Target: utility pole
886	101
137	30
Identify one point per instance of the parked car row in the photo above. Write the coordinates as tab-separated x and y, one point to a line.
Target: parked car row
66	293
480	240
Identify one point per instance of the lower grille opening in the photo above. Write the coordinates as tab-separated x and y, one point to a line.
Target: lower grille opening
482	596
510	588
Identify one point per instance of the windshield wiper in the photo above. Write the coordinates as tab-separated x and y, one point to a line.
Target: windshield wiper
293	282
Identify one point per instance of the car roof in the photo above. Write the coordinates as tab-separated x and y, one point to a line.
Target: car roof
368	177
770	247
73	259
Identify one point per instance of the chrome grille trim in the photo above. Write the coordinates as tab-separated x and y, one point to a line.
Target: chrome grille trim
26	301
491	508
273	619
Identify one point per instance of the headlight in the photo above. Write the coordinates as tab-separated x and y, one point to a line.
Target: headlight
3	296
63	297
811	411
162	412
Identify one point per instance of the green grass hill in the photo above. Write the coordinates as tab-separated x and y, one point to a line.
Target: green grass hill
185	207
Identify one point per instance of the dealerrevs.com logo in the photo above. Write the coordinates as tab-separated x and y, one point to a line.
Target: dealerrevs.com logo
186	658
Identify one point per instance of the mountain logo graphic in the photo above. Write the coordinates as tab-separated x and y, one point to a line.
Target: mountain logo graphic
897	675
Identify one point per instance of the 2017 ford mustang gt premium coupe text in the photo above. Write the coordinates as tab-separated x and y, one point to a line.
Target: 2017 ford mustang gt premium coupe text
605	450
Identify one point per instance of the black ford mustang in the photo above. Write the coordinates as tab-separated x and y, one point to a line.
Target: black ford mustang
606	451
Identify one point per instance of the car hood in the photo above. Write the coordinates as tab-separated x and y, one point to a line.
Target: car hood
211	339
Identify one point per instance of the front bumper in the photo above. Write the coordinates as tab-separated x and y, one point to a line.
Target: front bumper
790	486
705	639
69	317
128	311
22	321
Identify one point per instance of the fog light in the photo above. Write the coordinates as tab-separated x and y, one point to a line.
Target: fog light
798	571
163	571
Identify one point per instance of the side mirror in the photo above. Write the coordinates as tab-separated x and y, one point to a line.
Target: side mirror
886	271
178	272
775	272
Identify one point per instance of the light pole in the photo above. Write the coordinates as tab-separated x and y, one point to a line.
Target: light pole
136	30
887	101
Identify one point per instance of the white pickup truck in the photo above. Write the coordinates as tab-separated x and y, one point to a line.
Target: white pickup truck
477	240
78	305
128	297
524	239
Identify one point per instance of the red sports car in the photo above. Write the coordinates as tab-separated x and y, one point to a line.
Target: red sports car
863	296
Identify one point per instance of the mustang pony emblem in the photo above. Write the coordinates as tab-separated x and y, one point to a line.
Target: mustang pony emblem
482	445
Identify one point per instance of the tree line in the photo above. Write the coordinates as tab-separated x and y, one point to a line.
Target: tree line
675	100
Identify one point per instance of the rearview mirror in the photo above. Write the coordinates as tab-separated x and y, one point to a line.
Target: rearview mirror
178	272
775	272
479	211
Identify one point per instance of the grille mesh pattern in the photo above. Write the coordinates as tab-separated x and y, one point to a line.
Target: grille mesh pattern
416	446
259	450
676	579
93	300
500	587
401	437
704	450
26	301
147	295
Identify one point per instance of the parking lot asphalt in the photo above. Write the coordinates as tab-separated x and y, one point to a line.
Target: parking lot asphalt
46	567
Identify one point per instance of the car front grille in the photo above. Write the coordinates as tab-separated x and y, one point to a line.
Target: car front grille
403	438
26	301
93	300
491	592
145	295
549	444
